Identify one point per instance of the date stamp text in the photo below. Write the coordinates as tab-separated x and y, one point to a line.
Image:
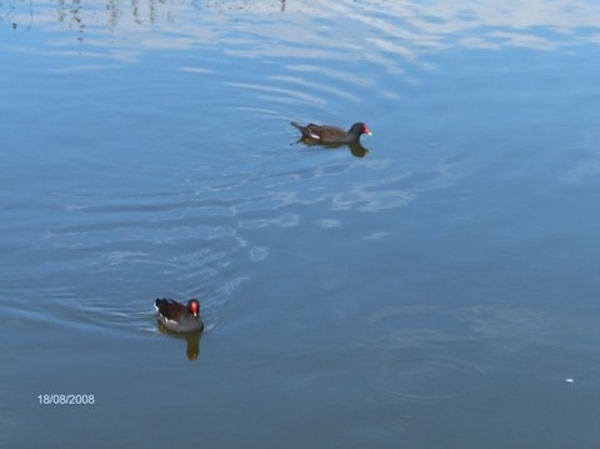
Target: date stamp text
66	399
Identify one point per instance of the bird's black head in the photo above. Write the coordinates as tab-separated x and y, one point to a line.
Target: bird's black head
360	128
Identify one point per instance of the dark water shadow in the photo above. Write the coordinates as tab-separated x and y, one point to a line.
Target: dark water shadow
355	148
192	340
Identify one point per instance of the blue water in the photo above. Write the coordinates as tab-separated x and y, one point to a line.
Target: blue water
441	291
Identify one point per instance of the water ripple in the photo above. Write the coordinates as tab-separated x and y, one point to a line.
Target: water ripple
424	378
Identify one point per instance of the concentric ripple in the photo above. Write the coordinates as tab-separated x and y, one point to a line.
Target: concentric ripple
429	378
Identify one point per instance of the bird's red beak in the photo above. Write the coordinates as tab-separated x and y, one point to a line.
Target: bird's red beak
367	131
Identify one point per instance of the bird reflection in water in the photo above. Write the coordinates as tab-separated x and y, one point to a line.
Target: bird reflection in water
192	339
355	148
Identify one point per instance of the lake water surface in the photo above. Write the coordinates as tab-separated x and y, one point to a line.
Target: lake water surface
441	291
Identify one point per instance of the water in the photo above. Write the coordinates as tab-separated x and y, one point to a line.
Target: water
441	291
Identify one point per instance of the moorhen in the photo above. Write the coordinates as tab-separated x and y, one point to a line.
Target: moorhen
177	317
327	134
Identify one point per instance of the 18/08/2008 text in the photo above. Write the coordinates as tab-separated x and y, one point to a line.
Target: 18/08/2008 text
66	399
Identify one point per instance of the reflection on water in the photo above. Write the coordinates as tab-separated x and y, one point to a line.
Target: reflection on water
403	30
192	340
356	149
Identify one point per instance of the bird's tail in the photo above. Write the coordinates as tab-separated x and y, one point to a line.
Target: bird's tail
297	125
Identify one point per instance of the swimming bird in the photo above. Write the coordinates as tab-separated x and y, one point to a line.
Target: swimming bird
327	134
178	317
